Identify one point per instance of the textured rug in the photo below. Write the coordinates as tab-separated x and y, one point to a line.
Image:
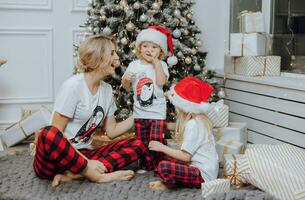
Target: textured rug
18	181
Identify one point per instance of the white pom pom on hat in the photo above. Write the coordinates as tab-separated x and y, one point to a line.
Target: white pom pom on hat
161	37
191	95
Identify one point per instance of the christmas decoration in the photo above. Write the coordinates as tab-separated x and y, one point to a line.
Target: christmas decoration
126	18
2	61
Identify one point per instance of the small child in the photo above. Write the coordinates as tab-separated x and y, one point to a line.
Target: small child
197	160
147	76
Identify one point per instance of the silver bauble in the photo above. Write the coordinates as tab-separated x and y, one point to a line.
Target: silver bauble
130	26
188	60
107	30
199	43
186	32
189	16
176	33
96	23
197	68
102	12
180	54
124	41
193	51
129	13
221	94
177	13
183	22
156	6
143	18
136	5
103	18
96	30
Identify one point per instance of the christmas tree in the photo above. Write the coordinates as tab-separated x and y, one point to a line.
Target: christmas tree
126	18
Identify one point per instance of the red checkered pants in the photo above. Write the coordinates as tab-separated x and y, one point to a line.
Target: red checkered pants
54	154
148	130
178	173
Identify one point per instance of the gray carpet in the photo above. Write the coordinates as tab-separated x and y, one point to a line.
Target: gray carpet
18	181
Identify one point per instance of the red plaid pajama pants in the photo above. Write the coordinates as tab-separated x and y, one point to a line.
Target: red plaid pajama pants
148	130
54	154
179	173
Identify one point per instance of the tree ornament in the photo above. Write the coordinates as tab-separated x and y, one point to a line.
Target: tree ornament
130	26
185	32
96	30
177	13
136	5
183	22
156	6
199	43
102	12
124	41
129	13
143	18
176	33
189	16
193	51
172	60
197	68
188	60
221	93
107	30
103	18
96	23
180	54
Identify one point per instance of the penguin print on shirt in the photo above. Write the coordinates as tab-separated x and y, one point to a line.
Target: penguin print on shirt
145	92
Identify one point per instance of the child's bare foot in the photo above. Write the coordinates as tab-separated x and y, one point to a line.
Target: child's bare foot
159	185
60	178
122	175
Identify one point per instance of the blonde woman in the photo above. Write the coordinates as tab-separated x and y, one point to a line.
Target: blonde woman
196	161
64	150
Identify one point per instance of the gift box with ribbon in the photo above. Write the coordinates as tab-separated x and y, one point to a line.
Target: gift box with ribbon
228	147
217	185
26	127
235	131
219	114
251	22
255	66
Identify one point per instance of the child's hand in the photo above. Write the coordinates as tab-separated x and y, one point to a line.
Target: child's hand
130	76
156	146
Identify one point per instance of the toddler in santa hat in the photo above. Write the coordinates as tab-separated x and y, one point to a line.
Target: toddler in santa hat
147	76
196	161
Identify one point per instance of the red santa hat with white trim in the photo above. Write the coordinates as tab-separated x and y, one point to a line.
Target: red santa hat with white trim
191	95
161	37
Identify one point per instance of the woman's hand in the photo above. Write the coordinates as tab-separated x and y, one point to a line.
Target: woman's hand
156	146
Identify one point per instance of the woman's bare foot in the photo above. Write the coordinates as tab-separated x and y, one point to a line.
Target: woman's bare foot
159	185
121	175
60	178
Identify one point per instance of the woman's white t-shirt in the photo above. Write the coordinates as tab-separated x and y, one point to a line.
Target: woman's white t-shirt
86	111
201	145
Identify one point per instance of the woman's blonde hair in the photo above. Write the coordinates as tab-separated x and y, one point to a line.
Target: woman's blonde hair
93	51
162	55
184	117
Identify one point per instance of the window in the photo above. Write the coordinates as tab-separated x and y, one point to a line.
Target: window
285	21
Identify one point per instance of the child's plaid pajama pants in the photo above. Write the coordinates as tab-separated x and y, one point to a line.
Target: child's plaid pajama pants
54	154
146	131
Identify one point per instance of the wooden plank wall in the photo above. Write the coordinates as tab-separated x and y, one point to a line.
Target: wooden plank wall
274	115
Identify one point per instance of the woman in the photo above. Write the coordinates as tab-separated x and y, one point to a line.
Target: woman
63	150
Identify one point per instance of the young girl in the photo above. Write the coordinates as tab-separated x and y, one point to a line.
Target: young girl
63	150
146	76
197	160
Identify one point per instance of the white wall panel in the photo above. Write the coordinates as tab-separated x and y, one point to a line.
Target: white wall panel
26	4
79	5
28	75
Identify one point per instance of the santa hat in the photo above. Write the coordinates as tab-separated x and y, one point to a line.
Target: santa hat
141	83
161	37
191	95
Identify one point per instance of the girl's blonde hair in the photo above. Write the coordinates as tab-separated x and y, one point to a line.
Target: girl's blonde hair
184	117
162	55
93	51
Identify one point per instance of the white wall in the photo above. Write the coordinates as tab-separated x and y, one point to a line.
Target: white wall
212	19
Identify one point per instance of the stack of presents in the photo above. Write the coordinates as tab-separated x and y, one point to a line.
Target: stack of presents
250	49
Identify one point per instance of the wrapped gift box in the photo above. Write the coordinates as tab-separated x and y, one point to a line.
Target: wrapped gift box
236	131
252	22
228	147
26	127
219	114
256	66
248	44
217	185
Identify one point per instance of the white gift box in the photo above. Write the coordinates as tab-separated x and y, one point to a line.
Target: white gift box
248	44
255	66
236	131
217	185
219	114
252	22
26	127
228	147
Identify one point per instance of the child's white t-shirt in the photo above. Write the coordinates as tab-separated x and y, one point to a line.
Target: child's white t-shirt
196	141
149	99
86	111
